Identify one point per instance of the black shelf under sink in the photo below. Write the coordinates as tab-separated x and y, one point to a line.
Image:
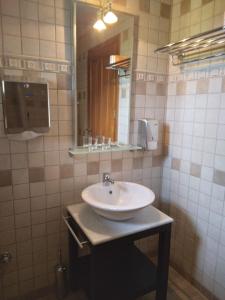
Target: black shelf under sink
123	273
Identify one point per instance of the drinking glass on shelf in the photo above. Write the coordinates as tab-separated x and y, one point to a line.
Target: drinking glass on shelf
95	143
101	140
107	143
86	141
89	142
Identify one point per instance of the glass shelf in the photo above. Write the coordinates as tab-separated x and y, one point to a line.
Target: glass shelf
122	64
84	150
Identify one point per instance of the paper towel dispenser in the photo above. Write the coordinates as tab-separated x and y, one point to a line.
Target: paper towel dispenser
25	108
148	134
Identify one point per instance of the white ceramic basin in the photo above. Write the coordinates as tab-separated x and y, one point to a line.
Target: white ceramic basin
118	201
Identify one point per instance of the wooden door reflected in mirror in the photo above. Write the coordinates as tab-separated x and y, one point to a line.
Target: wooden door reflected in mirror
103	89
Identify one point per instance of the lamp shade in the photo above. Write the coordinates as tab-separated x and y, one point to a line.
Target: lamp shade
110	18
99	25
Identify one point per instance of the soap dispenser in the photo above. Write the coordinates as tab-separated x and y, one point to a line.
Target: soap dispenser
148	134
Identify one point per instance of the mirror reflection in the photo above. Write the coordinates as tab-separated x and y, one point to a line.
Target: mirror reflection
104	53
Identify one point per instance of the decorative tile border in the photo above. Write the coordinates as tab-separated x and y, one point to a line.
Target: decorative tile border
146	76
35	64
197	74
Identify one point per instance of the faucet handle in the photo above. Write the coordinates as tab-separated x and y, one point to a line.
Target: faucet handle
106	179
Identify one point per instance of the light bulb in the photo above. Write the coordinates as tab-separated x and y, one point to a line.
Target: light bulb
99	25
110	18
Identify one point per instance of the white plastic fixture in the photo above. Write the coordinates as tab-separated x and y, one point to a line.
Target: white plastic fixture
119	201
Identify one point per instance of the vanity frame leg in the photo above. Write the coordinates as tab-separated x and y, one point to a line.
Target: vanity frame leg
163	263
94	274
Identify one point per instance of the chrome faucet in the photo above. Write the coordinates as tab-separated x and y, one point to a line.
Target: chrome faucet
106	179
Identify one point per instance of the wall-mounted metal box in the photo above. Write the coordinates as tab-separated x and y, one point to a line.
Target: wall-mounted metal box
25	107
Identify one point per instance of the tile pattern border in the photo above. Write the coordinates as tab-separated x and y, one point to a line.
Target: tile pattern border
35	64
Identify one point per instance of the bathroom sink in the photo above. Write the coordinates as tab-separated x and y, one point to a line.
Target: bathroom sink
118	201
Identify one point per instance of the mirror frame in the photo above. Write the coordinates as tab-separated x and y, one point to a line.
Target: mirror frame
74	74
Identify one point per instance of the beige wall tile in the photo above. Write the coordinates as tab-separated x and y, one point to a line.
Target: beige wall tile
52	158
219	177
175	164
66	171
144	5
38	230
53	200
5	162
6	208
29	10
223	85
47	31
20	176
195	170
6	223
46	14
4	146
29	28
120	2
11	25
36	145
6	193
80	169
19	161
138	163
36	159
7	237
63	17
21	206
47	49
5	178
23	234
206	1
165	10
51	143
37	189
202	86
140	88
63	82
157	161
92	168
181	88
38	203
38	217
18	147
30	46
10	8
185	7
36	174
21	191
51	172
52	186
22	220
116	165
161	89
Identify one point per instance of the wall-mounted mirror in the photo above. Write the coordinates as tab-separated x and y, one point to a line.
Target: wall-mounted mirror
103	80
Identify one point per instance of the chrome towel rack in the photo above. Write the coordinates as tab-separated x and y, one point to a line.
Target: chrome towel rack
202	46
80	243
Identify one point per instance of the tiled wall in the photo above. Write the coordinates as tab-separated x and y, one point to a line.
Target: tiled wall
193	186
38	178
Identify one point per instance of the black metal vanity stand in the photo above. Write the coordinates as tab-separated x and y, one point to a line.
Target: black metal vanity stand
117	269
